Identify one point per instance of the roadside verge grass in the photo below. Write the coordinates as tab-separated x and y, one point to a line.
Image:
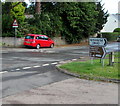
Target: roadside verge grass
96	69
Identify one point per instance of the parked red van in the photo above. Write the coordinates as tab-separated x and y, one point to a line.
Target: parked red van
35	40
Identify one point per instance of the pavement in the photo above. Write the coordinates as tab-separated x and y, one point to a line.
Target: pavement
70	91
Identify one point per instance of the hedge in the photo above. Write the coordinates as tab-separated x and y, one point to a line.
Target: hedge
110	36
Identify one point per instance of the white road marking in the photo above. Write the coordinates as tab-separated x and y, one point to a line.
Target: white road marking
54	63
74	59
36	66
3	72
45	65
18	69
26	68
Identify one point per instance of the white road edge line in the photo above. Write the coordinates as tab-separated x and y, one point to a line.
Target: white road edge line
74	59
36	66
3	72
18	69
26	68
45	64
54	63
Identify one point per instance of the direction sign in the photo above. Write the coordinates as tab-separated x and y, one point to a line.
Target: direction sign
15	24
101	42
98	52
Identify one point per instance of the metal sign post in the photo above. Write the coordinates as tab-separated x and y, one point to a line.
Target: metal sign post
15	37
15	25
97	48
111	58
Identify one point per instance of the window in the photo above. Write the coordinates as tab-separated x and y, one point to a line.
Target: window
46	38
39	37
29	37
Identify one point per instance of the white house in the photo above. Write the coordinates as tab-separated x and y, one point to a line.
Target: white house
112	23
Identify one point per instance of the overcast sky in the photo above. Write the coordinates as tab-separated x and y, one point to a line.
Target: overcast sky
111	5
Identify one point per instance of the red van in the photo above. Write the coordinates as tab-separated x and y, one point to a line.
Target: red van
35	40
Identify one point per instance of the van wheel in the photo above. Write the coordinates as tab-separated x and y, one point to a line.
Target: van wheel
52	45
38	46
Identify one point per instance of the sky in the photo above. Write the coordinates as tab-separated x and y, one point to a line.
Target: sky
110	5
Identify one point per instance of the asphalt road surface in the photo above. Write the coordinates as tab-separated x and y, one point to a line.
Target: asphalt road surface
30	68
24	69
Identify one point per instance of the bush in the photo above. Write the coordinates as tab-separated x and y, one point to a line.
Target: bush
117	30
8	34
110	36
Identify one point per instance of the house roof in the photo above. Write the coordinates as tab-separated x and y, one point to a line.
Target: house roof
112	23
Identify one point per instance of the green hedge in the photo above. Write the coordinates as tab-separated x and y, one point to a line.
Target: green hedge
117	30
110	36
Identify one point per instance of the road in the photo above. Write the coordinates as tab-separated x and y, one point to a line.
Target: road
31	68
25	69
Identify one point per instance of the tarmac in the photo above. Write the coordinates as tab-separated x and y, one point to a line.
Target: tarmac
70	91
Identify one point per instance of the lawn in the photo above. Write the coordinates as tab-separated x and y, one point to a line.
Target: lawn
96	69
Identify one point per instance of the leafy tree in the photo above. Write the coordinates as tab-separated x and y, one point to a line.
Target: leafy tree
7	6
38	7
101	18
18	12
13	10
78	19
73	20
31	8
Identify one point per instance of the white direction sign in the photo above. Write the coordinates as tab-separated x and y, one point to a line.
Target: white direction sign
98	52
101	42
15	24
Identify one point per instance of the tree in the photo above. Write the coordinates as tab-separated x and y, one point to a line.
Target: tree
18	12
72	20
7	6
78	19
101	18
14	10
37	7
31	8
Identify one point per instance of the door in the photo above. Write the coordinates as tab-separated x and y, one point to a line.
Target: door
40	40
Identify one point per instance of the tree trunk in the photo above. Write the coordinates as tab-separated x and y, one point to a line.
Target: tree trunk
38	7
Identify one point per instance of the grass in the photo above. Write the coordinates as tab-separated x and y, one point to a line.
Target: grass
0	44
96	69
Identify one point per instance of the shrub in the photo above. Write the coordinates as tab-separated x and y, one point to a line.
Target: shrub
110	36
8	34
117	30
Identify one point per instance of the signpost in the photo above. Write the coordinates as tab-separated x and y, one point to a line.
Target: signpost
98	52
101	42
15	25
97	47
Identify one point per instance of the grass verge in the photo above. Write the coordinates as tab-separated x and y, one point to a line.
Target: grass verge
96	69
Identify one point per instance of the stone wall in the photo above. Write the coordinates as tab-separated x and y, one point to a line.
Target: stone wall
10	41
